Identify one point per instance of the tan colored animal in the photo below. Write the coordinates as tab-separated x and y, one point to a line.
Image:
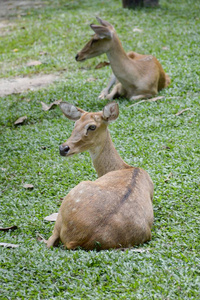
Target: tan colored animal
137	76
116	209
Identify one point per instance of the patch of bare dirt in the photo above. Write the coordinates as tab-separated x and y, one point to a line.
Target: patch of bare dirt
19	85
10	8
14	8
5	26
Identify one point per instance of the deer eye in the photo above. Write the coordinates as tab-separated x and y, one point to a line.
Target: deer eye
92	127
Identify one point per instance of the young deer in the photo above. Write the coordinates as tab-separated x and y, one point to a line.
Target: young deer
116	209
137	76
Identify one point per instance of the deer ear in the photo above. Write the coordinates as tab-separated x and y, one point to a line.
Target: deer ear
102	32
70	111
104	23
111	112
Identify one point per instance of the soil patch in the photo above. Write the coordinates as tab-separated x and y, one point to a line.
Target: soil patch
10	8
5	27
22	84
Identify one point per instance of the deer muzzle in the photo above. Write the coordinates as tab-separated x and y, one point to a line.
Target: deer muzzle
64	150
80	57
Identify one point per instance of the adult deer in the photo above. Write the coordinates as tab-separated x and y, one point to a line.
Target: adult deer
116	209
137	76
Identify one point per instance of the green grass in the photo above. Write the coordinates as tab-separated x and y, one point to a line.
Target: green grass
148	135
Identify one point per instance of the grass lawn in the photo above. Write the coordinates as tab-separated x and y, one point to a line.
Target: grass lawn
148	135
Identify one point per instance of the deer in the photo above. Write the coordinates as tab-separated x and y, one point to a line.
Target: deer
135	76
115	210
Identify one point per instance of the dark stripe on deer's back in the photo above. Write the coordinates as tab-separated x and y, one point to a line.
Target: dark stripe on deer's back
125	197
131	186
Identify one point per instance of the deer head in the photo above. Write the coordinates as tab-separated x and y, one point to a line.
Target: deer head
99	43
90	129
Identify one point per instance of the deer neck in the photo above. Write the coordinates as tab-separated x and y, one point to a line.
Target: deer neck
106	158
118	58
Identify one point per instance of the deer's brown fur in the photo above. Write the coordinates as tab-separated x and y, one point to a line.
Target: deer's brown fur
136	76
113	211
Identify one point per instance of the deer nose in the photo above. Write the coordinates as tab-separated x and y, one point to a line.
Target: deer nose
76	58
63	150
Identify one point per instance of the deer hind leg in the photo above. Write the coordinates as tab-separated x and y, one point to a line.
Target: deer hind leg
105	91
54	239
138	97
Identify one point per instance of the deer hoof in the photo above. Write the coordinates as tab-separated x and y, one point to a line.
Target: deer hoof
103	95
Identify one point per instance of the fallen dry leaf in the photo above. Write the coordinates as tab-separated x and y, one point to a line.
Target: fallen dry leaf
20	120
137	103
43	53
28	186
46	107
155	99
165	147
137	30
33	63
14	227
165	48
138	250
91	79
15	50
147	100
102	64
40	238
8	245
182	111
168	177
52	217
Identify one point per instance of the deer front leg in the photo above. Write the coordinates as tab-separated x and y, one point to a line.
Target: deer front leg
55	237
117	91
105	91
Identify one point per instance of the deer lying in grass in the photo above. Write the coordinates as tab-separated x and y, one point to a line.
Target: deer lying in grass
115	210
138	76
